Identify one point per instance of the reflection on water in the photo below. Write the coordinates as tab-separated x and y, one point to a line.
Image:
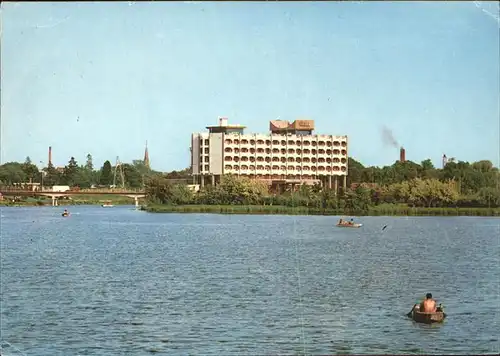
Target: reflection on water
123	282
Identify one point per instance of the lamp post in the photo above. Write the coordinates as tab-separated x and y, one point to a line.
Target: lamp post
41	181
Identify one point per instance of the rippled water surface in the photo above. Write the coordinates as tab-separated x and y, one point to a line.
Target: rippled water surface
123	282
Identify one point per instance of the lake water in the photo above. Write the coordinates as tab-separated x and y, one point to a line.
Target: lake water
123	282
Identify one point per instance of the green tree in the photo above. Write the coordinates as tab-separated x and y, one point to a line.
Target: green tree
354	171
133	178
328	199
160	190
12	173
424	192
141	167
483	166
234	190
89	165
71	173
106	176
31	171
489	197
427	165
357	201
183	174
52	176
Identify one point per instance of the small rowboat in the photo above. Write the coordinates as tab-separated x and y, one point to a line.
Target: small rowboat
427	318
107	204
349	225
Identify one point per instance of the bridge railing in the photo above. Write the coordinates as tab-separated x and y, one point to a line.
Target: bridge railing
16	189
81	191
109	190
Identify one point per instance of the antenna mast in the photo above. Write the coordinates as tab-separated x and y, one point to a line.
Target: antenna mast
119	170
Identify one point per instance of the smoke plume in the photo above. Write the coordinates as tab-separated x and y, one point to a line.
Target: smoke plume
388	137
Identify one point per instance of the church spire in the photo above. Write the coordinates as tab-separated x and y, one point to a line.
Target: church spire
146	156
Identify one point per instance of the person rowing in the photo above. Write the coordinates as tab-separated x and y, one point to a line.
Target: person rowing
345	222
428	305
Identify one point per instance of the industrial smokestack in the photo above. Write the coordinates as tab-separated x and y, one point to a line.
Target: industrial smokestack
402	155
50	155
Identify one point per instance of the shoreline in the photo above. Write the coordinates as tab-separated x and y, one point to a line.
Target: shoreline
304	211
385	210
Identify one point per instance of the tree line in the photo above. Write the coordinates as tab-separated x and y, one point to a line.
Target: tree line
459	184
130	175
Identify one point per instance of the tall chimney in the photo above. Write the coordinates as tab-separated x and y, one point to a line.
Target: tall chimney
50	156
402	155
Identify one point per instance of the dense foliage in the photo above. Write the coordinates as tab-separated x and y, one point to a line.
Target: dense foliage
460	184
130	175
417	185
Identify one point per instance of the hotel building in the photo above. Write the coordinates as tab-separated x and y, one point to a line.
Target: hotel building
290	154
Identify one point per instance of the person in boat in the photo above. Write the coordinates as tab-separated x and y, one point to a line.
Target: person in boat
65	212
351	222
428	305
341	221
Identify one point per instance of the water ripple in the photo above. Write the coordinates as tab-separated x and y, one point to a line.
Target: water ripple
124	282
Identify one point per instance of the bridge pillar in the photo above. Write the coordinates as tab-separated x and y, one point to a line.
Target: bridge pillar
54	201
136	202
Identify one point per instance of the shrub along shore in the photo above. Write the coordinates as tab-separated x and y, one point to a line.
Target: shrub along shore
387	210
403	189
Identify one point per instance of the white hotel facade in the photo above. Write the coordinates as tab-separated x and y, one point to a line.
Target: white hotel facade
289	154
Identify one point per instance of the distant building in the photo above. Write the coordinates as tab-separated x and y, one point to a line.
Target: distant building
60	188
289	154
146	157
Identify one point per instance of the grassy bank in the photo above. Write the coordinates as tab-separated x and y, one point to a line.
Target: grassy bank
385	210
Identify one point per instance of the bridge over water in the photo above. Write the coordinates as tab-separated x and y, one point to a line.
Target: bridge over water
135	194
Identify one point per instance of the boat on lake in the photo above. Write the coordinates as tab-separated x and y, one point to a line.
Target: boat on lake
349	225
107	204
427	318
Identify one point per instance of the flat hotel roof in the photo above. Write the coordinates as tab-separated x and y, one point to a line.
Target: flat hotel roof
227	127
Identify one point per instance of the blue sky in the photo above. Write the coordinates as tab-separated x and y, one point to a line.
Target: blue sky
102	78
